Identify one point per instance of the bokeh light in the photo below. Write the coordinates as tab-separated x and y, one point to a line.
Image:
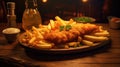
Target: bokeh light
84	1
44	1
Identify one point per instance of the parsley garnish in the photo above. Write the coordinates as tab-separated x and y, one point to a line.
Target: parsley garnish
62	28
67	27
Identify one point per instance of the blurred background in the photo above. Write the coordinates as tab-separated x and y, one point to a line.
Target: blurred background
66	9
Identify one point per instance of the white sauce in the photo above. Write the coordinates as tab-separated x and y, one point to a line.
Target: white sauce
11	30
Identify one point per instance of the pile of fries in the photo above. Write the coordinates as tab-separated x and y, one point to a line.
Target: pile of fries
35	36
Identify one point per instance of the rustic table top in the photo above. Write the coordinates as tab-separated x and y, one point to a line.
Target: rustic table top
105	56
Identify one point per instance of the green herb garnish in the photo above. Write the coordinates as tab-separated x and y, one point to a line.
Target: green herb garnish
62	28
80	44
83	19
67	27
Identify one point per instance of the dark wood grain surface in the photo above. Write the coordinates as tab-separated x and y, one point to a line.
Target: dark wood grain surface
105	56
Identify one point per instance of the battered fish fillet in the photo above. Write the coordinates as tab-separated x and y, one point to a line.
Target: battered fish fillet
77	30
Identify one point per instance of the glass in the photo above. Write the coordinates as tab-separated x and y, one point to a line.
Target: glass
31	16
114	22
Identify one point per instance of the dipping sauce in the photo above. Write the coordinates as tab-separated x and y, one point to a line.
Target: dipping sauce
11	34
11	31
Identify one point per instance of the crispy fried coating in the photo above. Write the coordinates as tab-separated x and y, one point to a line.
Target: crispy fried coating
72	34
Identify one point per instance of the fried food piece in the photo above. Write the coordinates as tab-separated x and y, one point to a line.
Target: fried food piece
70	35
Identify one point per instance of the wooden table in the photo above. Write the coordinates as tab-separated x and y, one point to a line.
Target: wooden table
105	56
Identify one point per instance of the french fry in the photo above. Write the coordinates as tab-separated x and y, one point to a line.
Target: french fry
103	33
32	40
95	38
40	25
100	28
49	27
72	44
52	24
37	34
71	22
86	42
29	33
47	46
60	20
44	45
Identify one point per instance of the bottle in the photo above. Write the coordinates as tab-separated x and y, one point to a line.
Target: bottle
11	17
31	16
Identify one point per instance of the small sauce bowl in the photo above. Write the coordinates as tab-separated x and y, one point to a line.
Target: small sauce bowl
11	34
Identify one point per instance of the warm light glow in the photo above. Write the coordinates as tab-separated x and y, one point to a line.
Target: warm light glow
44	1
84	1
